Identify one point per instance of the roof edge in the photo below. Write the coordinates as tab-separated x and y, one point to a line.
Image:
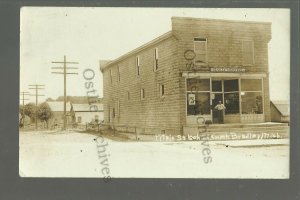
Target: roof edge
136	50
278	109
219	20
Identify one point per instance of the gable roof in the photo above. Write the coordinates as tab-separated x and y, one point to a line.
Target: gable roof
86	107
218	20
58	106
283	107
106	64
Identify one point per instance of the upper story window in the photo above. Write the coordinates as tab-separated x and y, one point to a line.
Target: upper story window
118	107
142	93
119	76
155	59
161	90
200	49
113	112
138	65
248	52
110	74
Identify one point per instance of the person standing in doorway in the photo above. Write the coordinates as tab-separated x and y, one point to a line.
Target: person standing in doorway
220	110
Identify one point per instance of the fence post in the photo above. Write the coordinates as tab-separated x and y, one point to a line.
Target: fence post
136	137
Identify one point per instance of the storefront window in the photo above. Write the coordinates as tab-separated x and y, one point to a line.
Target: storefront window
251	85
232	103
231	96
198	103
252	103
216	86
246	100
198	96
198	85
231	85
251	96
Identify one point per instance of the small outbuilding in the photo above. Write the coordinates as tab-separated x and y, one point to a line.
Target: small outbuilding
280	111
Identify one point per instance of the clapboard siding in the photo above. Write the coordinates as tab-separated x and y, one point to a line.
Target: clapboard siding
168	113
224	41
152	111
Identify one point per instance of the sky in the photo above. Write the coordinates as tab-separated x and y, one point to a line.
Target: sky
87	35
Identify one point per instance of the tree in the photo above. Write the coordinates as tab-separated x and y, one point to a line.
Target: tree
21	109
29	110
21	116
45	113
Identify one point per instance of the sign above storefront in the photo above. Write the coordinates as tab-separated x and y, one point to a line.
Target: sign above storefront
228	69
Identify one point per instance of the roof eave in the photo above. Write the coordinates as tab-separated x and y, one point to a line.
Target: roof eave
146	45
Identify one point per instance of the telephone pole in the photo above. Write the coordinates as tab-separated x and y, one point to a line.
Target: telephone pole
23	97
36	87
65	73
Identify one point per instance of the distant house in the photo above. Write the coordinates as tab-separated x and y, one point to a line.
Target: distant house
57	107
280	111
76	113
86	113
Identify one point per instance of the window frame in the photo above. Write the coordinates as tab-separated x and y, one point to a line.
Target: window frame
110	74
162	90
194	43
142	93
155	60
253	91
138	65
119	75
197	92
118	108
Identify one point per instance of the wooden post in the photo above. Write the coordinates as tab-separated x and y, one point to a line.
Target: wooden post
136	136
65	73
36	87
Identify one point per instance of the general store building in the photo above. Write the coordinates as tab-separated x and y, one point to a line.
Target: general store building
171	83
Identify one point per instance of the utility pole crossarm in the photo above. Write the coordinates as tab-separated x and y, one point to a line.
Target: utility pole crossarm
65	73
23	96
40	95
36	87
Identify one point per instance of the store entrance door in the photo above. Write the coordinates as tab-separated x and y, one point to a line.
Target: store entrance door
217	97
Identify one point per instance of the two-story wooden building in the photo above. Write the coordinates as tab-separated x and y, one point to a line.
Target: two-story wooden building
168	84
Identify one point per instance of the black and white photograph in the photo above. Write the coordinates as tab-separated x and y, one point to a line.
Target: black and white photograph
124	92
